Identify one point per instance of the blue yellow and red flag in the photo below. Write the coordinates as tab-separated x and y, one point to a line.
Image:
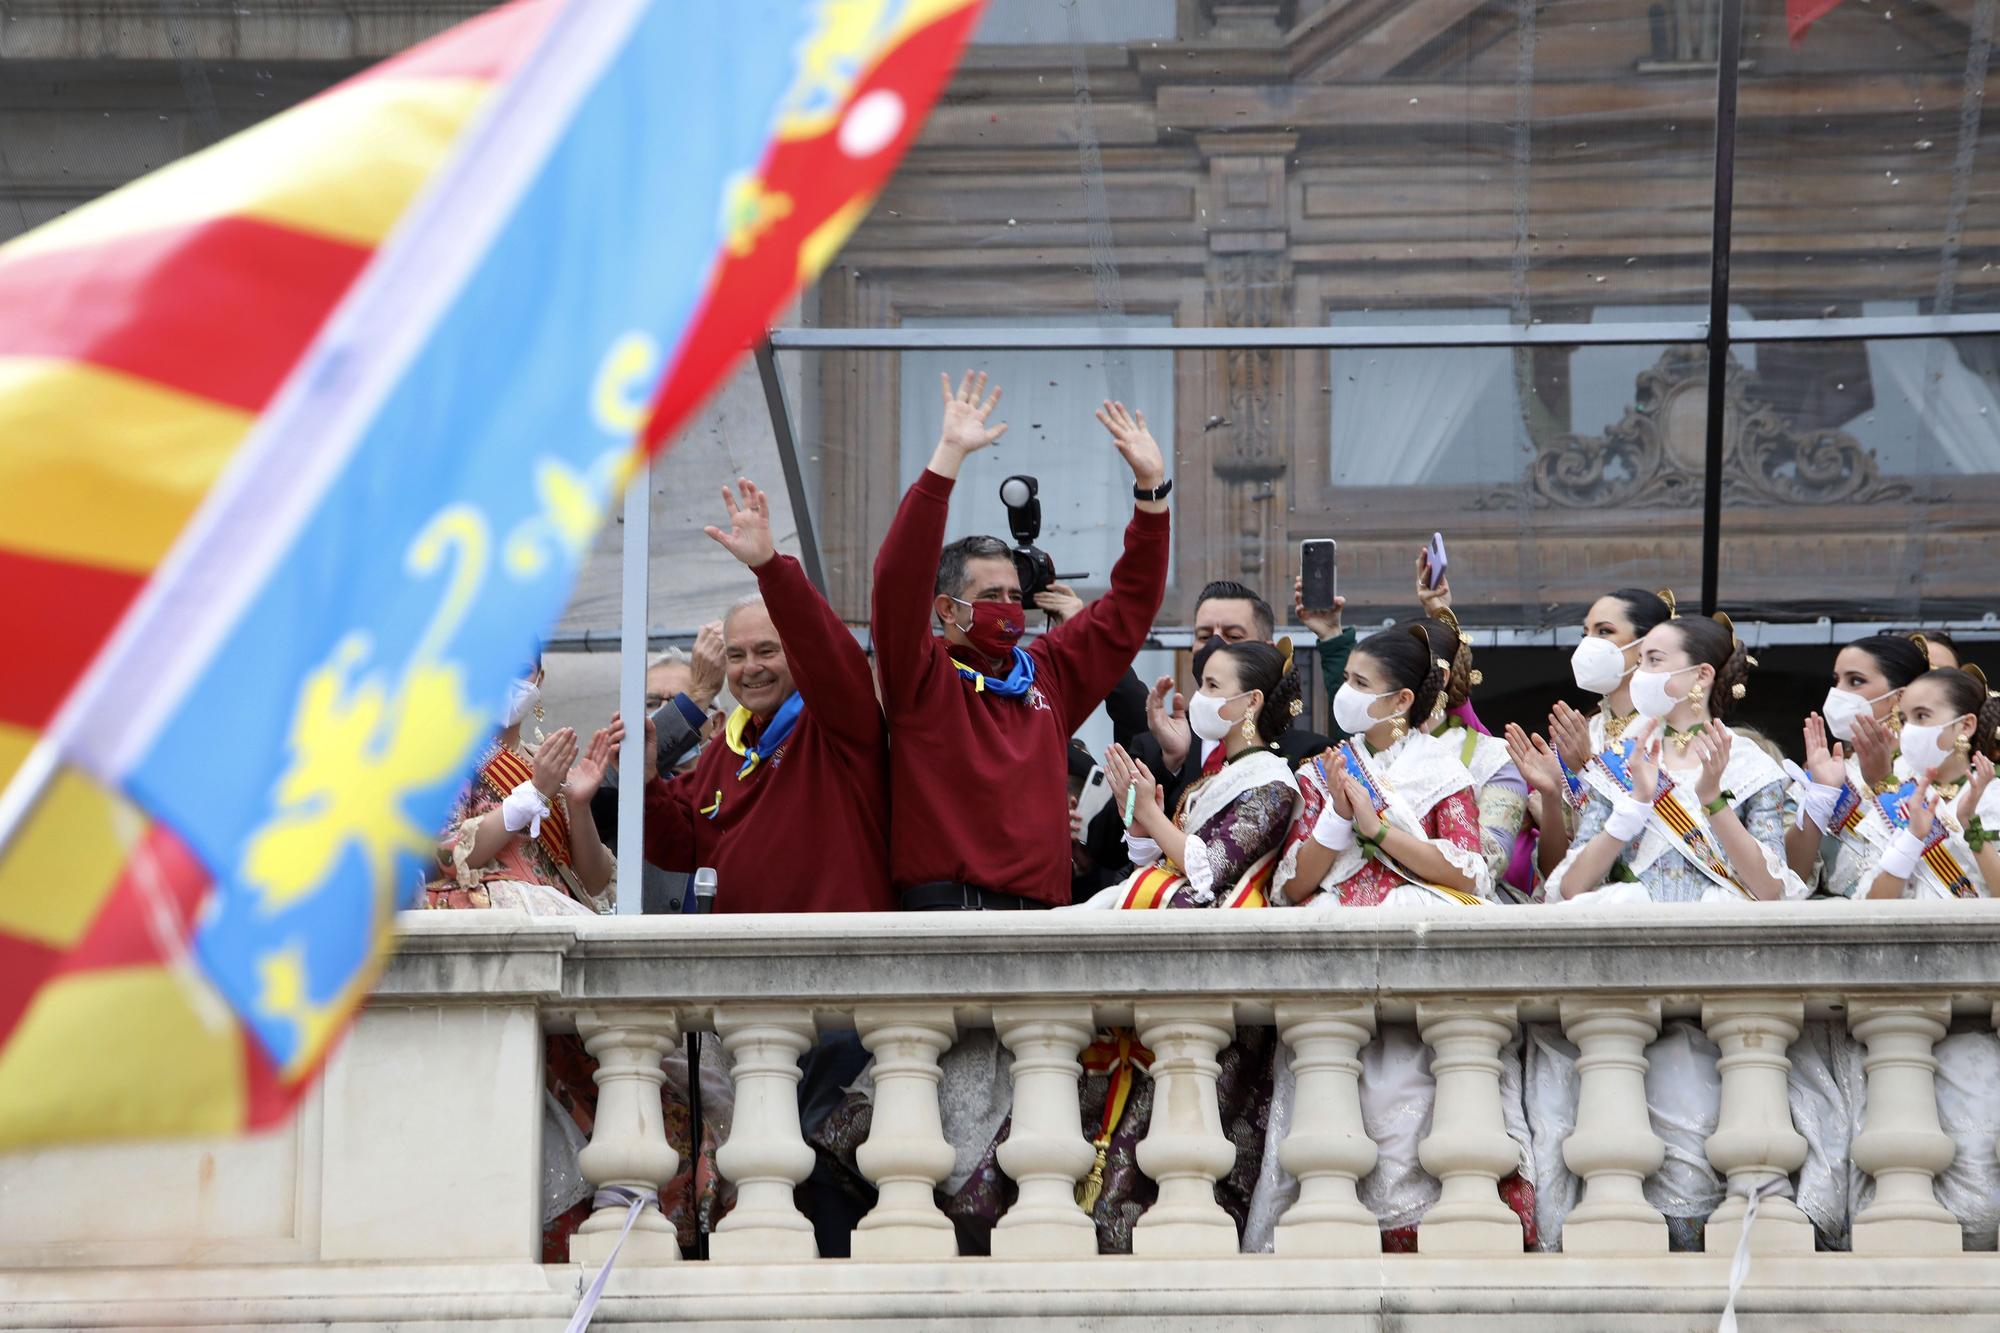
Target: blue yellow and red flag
304	439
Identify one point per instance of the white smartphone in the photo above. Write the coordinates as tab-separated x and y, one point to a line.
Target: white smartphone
1095	795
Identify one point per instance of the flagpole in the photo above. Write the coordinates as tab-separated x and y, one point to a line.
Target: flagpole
633	642
31	782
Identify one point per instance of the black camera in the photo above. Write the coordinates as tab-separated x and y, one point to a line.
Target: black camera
1034	566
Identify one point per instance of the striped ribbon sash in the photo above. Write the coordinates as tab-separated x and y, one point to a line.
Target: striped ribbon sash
506	771
1686	832
1895	807
1118	1054
1377	786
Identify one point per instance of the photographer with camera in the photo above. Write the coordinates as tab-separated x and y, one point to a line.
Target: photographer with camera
979	761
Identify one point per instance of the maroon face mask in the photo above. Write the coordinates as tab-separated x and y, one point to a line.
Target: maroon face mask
995	627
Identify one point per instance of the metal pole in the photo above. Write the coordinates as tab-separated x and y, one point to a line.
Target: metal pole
788	459
1718	298
637	557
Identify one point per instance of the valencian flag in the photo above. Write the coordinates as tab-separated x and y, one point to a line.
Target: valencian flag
302	440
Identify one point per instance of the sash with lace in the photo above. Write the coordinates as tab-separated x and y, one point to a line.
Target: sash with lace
1394	809
1154	885
1671	818
1889	814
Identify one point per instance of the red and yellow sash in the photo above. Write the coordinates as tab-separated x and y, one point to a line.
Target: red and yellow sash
1895	807
1118	1054
506	771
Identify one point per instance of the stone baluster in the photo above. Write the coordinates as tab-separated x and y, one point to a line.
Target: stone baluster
1468	1148
1754	1140
1328	1147
1901	1143
766	1156
1045	1152
628	1145
1185	1149
906	1154
1613	1147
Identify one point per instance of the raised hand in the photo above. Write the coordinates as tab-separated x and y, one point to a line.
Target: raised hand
1645	765
1975	787
586	771
1060	601
552	762
705	665
1431	599
1536	761
1924	809
1135	442
1570	730
1321	620
1874	748
1366	822
1826	764
966	410
1166	718
1712	746
749	535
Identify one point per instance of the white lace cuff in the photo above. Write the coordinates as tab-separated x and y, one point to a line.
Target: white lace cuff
524	808
1200	871
1900	860
1332	832
1628	818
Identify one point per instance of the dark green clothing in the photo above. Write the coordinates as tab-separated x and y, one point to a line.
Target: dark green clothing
1333	655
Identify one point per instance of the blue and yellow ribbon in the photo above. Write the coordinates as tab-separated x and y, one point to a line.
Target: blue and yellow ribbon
776	732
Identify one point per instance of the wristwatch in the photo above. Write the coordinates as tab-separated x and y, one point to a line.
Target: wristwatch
1158	492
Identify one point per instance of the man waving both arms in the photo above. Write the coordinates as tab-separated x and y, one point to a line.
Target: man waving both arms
979	768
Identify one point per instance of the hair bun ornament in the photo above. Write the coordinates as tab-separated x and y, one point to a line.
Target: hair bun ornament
1447	616
1673	606
1476	679
1722	618
1979	678
1285	647
1916	636
1298	706
1738	690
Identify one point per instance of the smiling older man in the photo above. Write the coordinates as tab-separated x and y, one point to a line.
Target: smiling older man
791	803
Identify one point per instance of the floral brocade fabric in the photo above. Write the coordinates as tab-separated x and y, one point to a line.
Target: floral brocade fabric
1455	819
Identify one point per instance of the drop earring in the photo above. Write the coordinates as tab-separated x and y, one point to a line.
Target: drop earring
1249	730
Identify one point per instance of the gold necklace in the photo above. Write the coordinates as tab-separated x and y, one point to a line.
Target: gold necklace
1614	727
1683	739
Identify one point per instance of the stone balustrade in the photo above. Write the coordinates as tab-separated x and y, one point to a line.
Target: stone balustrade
442	1064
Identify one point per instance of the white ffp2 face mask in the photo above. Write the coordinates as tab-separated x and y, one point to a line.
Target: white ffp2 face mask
1599	665
1843	708
1351	710
1924	748
1649	692
1205	715
522	696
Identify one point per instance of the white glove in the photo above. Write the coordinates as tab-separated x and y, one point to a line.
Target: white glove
525	808
1900	860
1331	831
1628	818
1817	801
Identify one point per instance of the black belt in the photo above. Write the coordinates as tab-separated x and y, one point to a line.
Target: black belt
947	896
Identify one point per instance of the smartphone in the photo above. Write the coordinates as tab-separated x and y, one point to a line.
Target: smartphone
1319	583
1437	560
1095	795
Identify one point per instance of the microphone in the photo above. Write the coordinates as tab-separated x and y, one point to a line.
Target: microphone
704	890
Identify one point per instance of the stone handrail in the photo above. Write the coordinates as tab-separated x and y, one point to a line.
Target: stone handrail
909	984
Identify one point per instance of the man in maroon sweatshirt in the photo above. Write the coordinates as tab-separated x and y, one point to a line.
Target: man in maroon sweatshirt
790	804
979	770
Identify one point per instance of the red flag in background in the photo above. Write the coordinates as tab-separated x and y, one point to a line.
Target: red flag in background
1802	14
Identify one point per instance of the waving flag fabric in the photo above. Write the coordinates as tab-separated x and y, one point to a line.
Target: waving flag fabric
1802	14
211	834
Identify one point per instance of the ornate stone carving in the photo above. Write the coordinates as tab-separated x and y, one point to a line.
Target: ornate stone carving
1653	457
